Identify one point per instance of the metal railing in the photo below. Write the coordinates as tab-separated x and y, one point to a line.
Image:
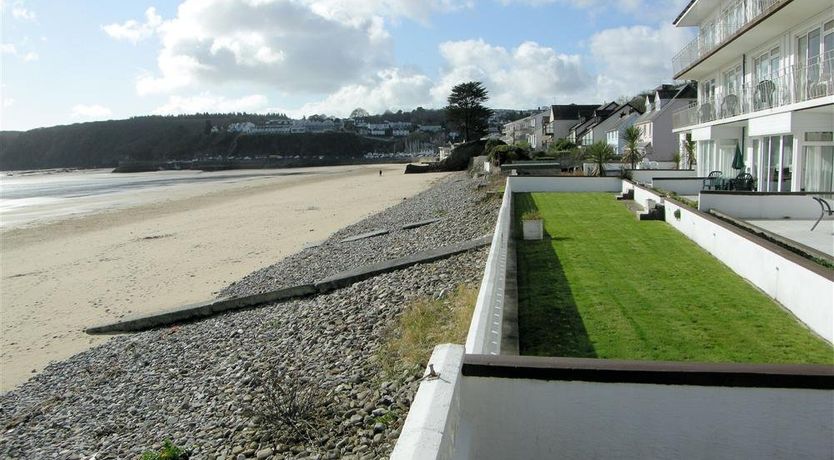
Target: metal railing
733	18
790	85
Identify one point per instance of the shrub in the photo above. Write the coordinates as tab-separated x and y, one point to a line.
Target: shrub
507	153
531	215
294	405
169	451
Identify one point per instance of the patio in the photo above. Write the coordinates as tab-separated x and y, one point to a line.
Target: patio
798	230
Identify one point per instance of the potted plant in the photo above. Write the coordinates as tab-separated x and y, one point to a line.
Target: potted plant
532	225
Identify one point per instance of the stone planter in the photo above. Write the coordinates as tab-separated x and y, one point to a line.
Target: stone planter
533	229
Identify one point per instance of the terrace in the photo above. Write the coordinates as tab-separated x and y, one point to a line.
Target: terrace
666	326
735	19
789	85
581	294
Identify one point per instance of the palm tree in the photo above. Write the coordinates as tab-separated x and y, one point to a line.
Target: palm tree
631	154
689	148
600	153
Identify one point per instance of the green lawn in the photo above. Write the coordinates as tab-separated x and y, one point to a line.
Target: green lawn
606	285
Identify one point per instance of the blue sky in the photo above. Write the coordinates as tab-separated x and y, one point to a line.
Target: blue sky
76	61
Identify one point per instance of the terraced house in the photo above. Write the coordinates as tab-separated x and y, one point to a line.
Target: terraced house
765	73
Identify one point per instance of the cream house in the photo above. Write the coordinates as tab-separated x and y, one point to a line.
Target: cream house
765	72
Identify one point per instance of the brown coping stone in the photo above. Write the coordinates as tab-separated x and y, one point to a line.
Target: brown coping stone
770	246
806	376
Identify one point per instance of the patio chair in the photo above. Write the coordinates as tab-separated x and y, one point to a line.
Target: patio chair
764	94
705	113
744	182
729	106
825	208
712	180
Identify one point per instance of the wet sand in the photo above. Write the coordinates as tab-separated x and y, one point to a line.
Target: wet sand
59	277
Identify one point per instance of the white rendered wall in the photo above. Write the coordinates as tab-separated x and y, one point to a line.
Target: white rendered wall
807	294
646	175
485	330
564	184
681	186
534	419
761	206
431	429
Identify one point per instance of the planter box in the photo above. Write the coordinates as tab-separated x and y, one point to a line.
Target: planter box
533	229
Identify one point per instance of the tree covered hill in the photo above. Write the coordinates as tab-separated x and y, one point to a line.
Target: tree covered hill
158	138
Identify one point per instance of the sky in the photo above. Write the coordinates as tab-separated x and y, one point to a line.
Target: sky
75	61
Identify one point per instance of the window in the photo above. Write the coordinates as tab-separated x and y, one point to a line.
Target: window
815	55
766	66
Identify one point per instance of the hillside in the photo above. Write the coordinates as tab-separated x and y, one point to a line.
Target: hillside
105	143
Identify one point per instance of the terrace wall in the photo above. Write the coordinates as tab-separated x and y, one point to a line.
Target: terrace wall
679	185
646	175
757	205
486	329
567	408
564	184
805	288
498	407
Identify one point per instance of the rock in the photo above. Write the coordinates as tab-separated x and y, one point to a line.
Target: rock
215	403
263	453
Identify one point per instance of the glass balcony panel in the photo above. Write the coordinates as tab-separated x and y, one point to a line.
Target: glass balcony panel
811	80
732	19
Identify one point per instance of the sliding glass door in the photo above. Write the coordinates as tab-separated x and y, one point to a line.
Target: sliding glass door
818	173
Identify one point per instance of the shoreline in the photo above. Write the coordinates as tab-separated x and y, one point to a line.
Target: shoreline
206	384
184	248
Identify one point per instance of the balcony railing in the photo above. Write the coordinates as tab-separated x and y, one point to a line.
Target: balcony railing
732	19
792	84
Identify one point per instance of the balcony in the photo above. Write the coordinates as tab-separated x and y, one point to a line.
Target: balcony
734	18
792	84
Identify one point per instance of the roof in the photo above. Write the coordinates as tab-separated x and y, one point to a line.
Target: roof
572	111
685	9
686	91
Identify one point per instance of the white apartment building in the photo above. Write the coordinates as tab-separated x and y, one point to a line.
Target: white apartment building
765	72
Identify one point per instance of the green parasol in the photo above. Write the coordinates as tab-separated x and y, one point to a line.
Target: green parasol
738	159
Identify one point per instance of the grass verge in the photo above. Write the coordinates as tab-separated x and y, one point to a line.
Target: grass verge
424	324
606	285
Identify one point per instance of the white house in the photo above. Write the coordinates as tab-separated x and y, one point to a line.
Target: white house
563	117
615	133
766	87
657	141
582	133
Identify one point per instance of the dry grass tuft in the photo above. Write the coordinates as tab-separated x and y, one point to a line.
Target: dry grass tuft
423	325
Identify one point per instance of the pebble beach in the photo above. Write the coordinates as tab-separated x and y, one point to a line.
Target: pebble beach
201	384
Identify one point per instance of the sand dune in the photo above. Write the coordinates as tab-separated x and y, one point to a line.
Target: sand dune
60	277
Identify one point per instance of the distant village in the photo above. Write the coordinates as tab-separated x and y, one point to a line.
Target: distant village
538	129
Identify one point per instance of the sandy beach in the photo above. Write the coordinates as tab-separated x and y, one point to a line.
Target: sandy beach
59	277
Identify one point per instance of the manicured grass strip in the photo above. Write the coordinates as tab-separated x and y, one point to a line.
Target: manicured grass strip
609	286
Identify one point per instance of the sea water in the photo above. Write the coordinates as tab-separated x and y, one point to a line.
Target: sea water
35	197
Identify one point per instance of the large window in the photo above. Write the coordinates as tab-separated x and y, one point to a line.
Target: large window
816	62
774	163
818	160
730	103
766	69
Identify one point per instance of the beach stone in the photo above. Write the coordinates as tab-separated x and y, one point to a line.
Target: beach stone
204	385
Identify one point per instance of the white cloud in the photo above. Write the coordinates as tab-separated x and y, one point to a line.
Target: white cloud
292	46
89	111
31	56
22	14
528	75
207	102
133	31
8	48
7	102
389	89
631	59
